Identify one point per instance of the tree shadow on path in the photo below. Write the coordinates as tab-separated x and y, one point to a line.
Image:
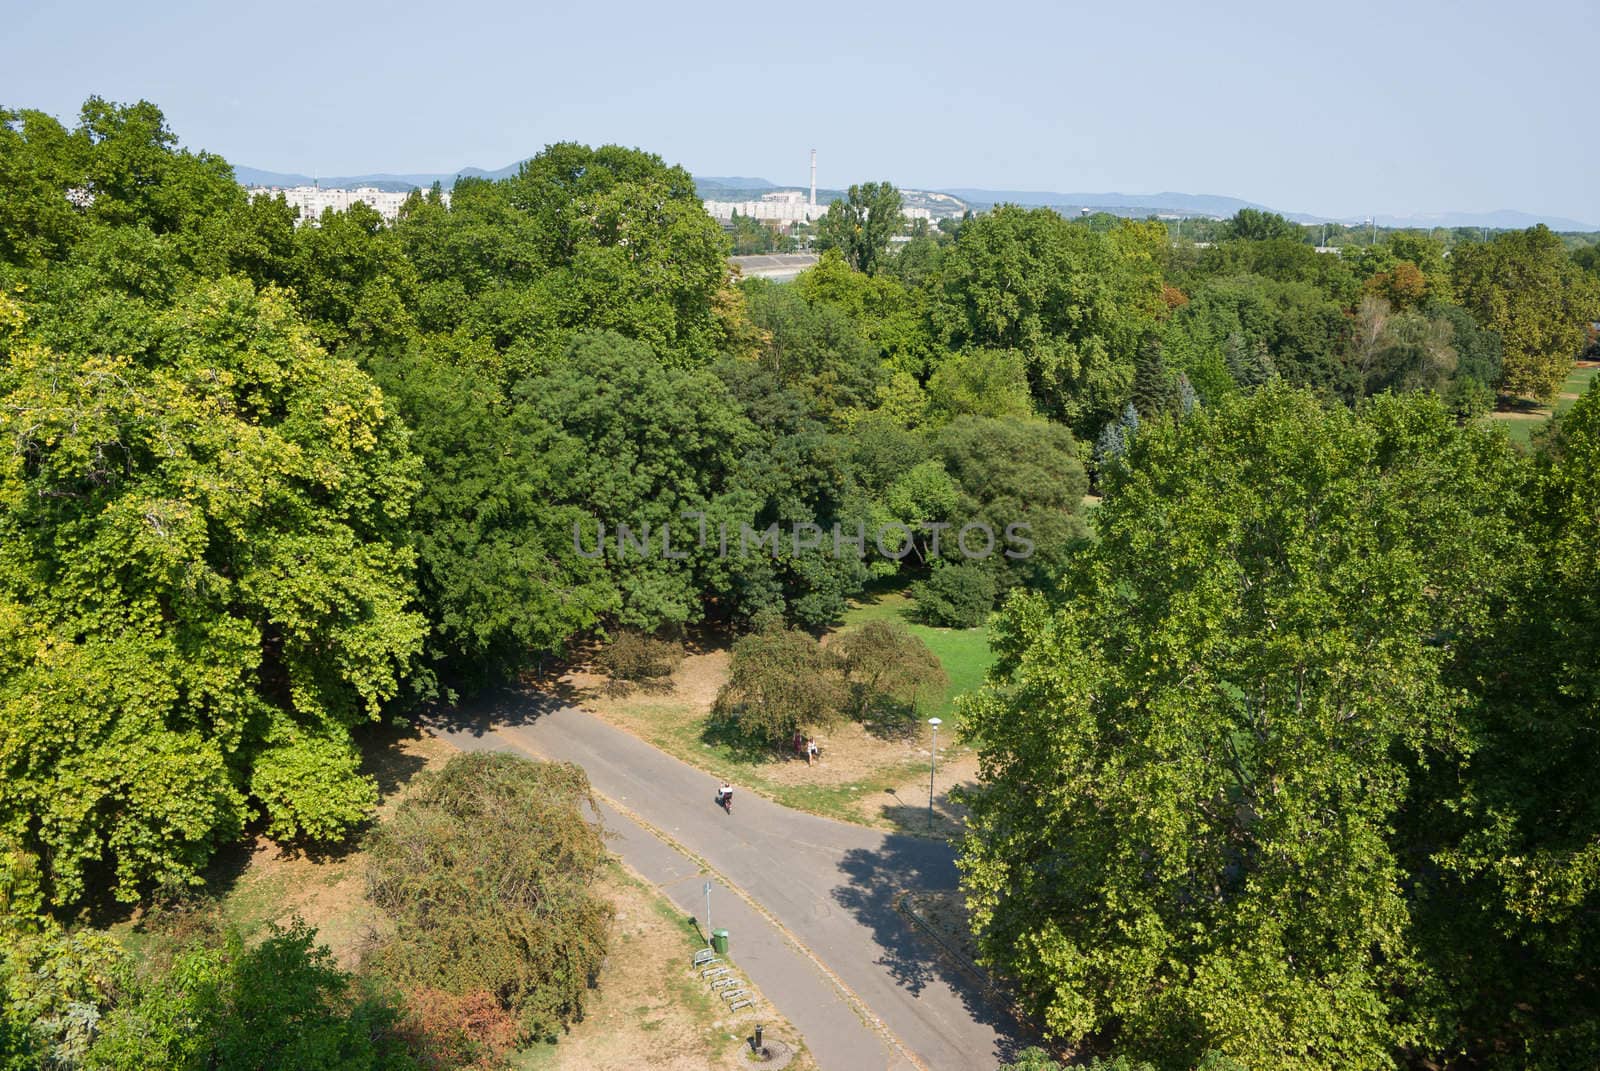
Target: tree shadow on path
505	706
875	880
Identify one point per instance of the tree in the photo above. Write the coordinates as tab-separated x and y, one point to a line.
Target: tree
497	572
1155	388
1024	473
1256	225
980	382
955	594
1073	303
780	682
206	586
488	871
812	347
861	225
614	438
1193	755
1510	905
885	666
281	1003
1523	285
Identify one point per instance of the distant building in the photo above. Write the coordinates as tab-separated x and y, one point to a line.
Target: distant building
794	206
312	201
781	206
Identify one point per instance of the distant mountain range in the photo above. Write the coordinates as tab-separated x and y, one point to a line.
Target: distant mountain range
254	176
739	188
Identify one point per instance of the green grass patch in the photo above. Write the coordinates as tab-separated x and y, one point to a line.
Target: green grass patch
1576	383
1521	427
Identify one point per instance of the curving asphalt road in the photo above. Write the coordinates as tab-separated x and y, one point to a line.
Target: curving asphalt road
826	945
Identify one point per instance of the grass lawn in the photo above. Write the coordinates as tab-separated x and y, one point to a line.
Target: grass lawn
1520	424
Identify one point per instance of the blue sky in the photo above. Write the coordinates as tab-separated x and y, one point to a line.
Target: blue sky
1340	109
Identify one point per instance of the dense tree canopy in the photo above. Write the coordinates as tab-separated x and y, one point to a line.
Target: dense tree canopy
1287	758
1224	766
205	573
1523	285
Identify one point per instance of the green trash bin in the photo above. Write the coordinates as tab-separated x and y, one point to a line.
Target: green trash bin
719	941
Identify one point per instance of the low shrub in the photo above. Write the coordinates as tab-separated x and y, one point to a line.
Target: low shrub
635	658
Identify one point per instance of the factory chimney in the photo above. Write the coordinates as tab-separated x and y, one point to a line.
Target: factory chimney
813	178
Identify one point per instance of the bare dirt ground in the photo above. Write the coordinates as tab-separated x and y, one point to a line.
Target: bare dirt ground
906	806
264	883
652	1010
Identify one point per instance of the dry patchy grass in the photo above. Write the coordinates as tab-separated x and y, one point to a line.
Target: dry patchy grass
651	1010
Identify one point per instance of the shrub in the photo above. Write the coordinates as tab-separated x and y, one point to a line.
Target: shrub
283	1003
780	681
887	669
634	657
955	595
446	1032
488	870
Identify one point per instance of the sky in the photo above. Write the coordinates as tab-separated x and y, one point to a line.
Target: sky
1341	109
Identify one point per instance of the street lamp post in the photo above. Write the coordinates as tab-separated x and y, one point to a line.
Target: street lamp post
933	765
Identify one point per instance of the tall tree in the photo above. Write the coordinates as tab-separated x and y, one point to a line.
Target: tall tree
1523	285
861	225
1193	757
1072	302
205	586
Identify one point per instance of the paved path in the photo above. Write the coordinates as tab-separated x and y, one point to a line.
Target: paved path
831	886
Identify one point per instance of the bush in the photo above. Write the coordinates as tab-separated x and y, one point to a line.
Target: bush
955	595
282	1004
781	681
488	870
634	657
53	987
887	669
446	1032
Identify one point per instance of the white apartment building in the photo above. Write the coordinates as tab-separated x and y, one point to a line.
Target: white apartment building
311	201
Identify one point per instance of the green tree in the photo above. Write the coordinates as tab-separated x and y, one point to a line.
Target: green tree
981	382
955	594
1257	225
887	668
1523	285
861	225
1510	910
1072	302
205	579
281	1003
1194	757
780	681
494	539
